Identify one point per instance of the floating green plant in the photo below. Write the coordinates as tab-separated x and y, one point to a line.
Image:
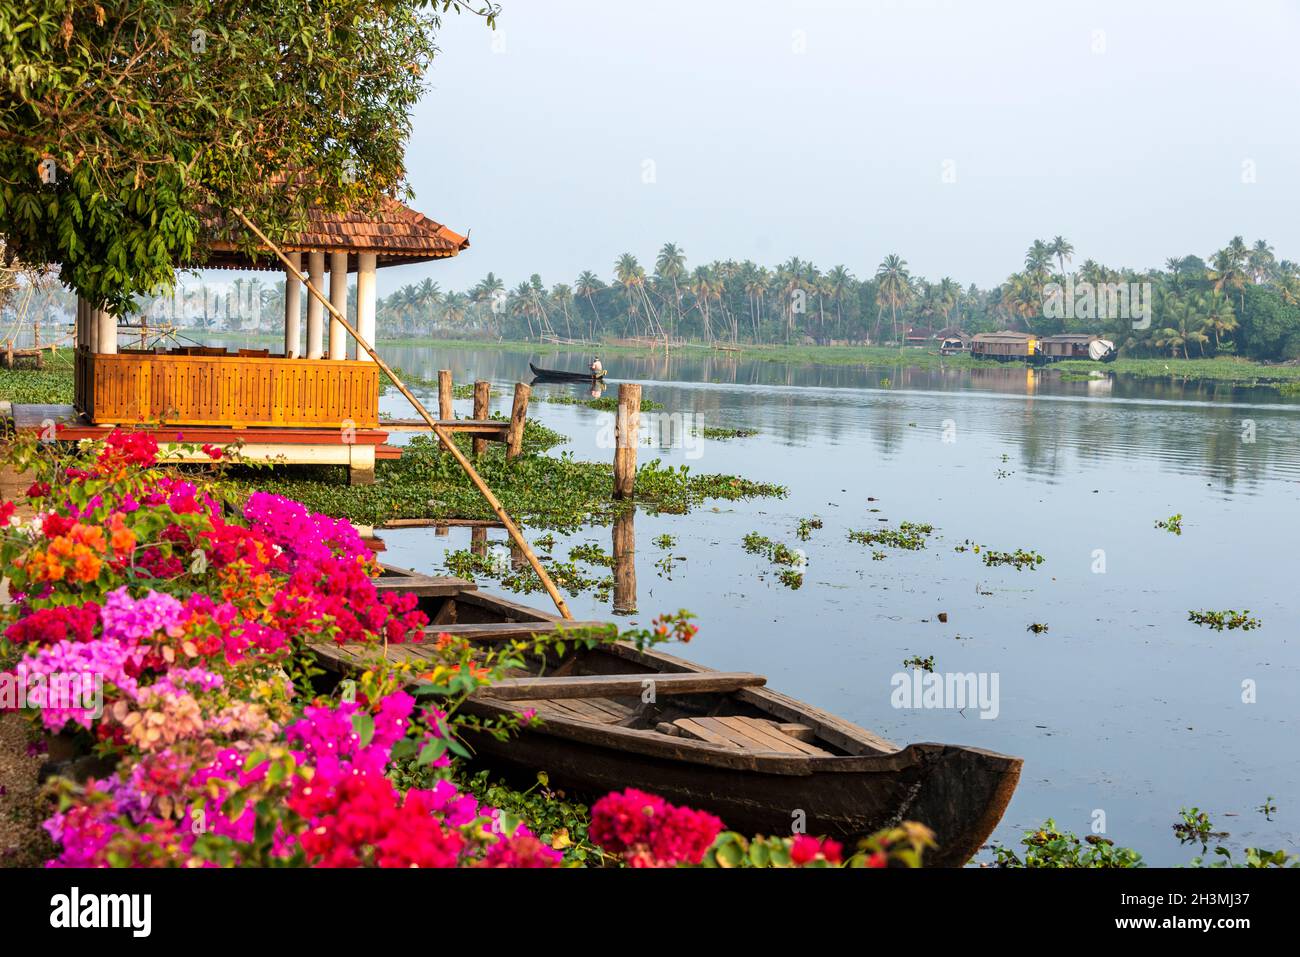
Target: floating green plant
909	535
916	661
709	432
1174	524
1230	619
1018	559
806	527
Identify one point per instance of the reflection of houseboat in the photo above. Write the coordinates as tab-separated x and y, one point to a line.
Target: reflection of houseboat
1076	345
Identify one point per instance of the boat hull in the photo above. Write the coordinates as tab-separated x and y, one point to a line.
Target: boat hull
959	793
554	375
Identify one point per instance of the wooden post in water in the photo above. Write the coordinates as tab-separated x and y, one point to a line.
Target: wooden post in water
478	540
627	431
482	396
518	417
625	563
444	395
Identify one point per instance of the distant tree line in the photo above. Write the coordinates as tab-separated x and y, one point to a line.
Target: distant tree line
1242	300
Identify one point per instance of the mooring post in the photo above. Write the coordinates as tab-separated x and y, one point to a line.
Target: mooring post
518	417
444	395
482	395
627	430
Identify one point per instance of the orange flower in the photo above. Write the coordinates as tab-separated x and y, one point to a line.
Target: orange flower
121	538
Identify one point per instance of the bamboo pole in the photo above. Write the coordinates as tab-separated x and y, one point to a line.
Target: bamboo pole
445	437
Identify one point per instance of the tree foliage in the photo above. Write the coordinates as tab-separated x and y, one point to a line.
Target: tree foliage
128	127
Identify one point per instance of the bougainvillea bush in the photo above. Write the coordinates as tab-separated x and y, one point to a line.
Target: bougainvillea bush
165	625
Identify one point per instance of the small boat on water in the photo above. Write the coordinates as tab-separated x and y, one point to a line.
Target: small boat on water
615	717
557	375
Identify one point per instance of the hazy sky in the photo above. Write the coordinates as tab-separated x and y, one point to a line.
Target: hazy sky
824	129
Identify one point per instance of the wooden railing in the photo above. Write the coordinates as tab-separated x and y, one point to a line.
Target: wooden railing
128	388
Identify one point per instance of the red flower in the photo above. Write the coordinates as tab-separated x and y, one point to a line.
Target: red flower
650	832
38	490
806	849
213	452
6	512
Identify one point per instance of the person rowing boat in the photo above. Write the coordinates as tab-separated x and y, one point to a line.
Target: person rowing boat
597	370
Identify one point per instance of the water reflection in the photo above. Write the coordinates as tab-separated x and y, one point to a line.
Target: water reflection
624	548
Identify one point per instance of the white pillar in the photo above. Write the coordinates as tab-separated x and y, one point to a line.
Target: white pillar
92	328
365	302
315	311
107	332
292	305
339	300
80	335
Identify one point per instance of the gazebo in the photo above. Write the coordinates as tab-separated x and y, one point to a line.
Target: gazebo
314	405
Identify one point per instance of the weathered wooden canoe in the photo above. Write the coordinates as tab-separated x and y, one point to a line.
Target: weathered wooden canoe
558	375
617	717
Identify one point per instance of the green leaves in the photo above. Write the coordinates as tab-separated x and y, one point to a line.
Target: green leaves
152	131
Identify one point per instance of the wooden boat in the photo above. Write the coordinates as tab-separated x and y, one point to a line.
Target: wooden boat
616	717
557	375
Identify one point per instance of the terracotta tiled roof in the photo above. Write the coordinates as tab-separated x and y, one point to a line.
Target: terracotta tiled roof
396	233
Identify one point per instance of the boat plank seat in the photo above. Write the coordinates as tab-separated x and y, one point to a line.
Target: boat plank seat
432	586
604	686
599	710
502	631
751	734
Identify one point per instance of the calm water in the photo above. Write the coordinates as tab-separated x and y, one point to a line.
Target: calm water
1124	706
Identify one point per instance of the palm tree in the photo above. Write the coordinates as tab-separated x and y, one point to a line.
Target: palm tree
455	308
1060	248
631	276
1037	260
562	296
947	295
485	294
1260	260
1184	326
587	286
1228	271
894	287
1217	310
670	266
839	282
